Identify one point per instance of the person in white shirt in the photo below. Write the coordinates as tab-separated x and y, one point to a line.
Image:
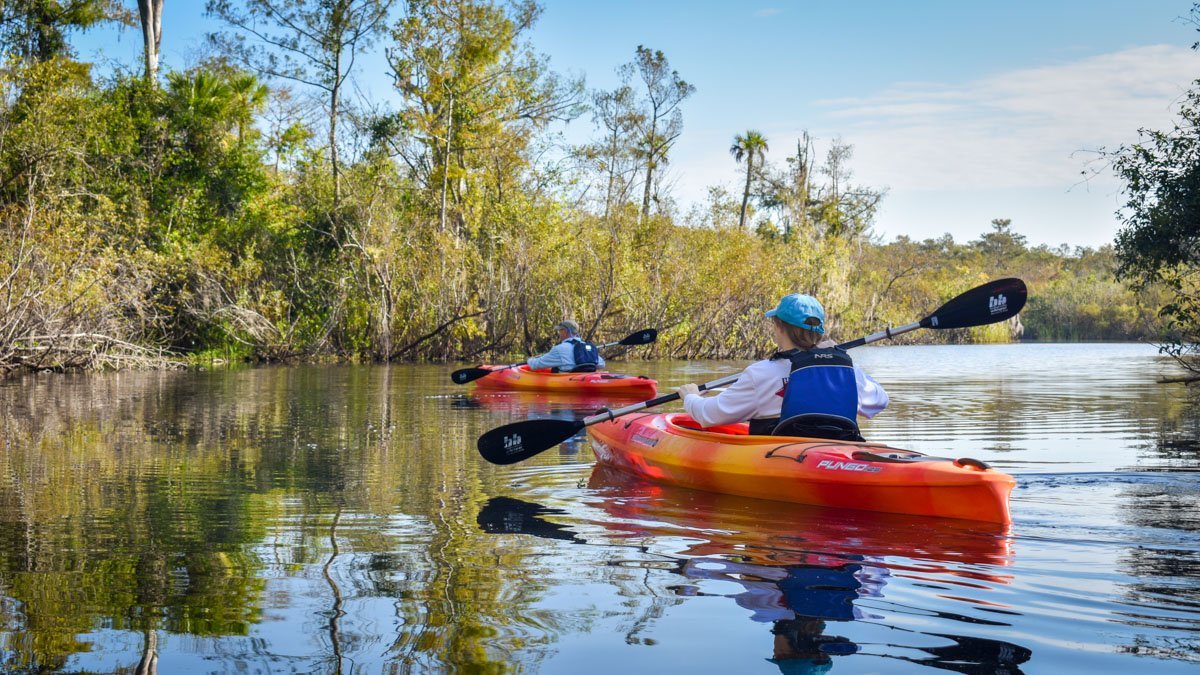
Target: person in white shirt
834	386
570	353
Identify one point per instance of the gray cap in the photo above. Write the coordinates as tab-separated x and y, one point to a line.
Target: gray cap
567	325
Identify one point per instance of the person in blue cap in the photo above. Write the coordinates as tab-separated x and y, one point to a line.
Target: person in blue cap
571	355
808	375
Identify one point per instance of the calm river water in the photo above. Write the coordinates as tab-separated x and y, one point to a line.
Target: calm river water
339	519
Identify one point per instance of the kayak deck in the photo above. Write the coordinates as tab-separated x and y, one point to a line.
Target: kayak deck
524	379
672	448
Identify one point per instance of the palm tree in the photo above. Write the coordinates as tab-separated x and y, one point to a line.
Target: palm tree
200	103
748	145
248	97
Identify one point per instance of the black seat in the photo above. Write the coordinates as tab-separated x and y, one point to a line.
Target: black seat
819	425
585	368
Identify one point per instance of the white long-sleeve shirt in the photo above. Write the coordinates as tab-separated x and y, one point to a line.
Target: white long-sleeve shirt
561	356
758	394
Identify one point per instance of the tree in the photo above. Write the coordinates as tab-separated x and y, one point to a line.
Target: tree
37	29
835	209
314	42
749	145
150	14
1160	240
1002	245
1161	214
617	113
845	210
789	190
473	96
665	90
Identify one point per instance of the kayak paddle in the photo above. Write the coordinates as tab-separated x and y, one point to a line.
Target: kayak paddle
642	337
990	303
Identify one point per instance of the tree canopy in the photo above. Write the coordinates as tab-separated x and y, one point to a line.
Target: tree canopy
245	208
1160	242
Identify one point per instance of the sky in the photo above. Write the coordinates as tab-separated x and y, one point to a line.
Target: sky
963	111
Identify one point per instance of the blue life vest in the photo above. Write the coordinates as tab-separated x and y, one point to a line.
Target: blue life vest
585	353
822	381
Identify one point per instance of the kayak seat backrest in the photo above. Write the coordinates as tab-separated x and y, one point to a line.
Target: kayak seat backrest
819	425
585	368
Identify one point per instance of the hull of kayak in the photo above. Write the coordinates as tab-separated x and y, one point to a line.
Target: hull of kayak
600	382
672	449
776	533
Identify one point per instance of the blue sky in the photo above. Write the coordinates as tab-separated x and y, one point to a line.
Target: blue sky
964	111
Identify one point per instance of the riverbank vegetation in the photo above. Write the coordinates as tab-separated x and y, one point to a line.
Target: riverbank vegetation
247	207
1160	243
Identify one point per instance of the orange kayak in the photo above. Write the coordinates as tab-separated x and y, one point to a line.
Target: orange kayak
600	382
673	449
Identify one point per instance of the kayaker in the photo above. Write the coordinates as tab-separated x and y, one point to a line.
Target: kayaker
571	355
807	375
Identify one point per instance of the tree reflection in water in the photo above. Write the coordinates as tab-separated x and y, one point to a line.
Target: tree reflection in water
1160	501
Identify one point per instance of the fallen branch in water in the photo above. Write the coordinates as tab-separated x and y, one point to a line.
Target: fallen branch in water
1179	379
73	351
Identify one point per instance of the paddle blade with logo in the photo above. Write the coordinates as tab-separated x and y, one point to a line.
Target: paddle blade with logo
465	375
990	303
518	441
642	337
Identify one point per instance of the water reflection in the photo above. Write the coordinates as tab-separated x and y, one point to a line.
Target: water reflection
1176	443
540	405
136	508
101	525
1028	407
508	515
338	518
804	572
798	600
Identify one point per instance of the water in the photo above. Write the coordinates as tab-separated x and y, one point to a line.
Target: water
338	519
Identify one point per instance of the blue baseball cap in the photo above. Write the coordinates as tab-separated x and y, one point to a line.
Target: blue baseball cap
798	309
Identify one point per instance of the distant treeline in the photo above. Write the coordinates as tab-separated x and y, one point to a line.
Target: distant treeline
247	207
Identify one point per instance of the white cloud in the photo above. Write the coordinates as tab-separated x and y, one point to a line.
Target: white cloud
953	156
1017	129
768	11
